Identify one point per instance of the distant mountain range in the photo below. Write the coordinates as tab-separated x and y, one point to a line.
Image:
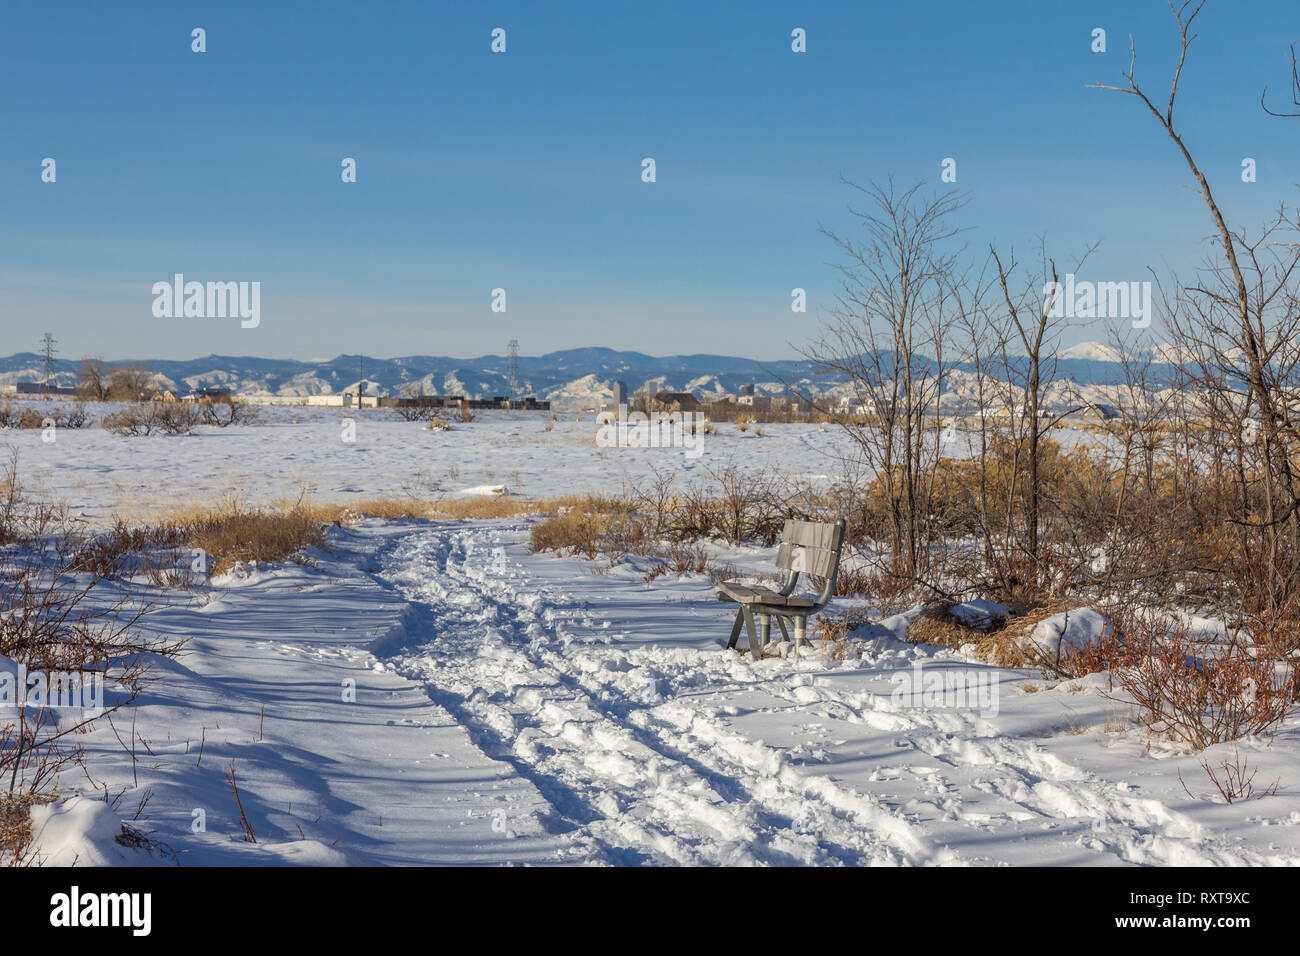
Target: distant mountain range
569	379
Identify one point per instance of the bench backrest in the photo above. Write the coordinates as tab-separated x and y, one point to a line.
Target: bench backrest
811	547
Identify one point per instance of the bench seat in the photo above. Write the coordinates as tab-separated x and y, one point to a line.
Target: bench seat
744	594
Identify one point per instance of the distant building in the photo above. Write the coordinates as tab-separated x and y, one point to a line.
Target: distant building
531	403
750	398
1101	412
620	396
792	402
205	395
853	405
673	402
40	388
412	401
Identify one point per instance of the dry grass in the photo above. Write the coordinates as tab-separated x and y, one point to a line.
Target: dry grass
473	508
496	506
1010	645
589	527
1004	650
231	531
834	626
937	624
1005	644
16	825
263	535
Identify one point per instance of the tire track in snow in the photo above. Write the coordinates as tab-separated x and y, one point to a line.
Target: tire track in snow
630	781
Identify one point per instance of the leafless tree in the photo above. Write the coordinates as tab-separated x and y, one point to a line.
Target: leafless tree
92	379
1038	327
1238	323
1295	90
130	382
887	337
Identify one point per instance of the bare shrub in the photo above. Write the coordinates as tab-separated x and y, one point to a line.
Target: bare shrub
72	418
1199	692
677	558
92	379
416	413
132	421
232	411
28	417
130	382
591	528
1234	780
54	618
147	418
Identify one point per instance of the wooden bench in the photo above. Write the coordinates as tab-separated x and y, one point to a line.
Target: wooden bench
806	547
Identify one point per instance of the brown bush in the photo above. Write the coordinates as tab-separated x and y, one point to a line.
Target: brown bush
591	528
147	418
677	558
231	411
264	535
49	622
937	624
16	823
1199	692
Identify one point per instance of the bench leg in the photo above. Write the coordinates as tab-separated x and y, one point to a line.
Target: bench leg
764	628
780	622
800	625
755	648
735	629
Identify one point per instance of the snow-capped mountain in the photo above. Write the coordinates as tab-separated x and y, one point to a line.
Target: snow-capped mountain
570	379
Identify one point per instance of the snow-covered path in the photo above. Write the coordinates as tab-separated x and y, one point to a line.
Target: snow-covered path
651	745
633	778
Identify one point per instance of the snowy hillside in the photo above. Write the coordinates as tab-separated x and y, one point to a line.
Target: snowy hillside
570	380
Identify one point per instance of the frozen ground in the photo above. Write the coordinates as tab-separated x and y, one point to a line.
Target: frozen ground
433	693
532	710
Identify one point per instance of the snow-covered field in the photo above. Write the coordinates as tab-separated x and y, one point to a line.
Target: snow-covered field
100	474
431	692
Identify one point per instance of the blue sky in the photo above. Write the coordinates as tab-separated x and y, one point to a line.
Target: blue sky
523	170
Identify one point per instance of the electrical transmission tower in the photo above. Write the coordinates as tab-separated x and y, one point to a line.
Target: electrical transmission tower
513	352
47	347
